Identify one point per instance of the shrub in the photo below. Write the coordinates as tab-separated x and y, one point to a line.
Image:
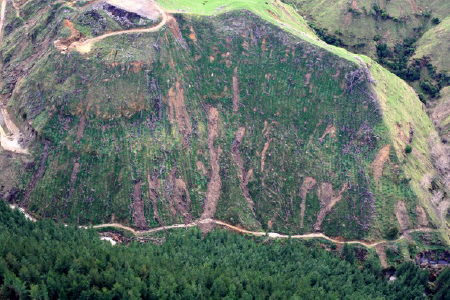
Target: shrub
392	233
435	21
422	98
65	33
408	149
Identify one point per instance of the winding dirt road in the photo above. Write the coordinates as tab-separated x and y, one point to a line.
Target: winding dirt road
273	235
85	46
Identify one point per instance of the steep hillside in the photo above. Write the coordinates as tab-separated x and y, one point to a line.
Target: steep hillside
434	44
358	23
408	36
150	119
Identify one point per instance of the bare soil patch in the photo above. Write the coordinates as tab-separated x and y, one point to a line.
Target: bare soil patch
175	29
328	198
421	216
182	198
76	36
330	130
378	163
243	175
154	185
138	207
177	107
402	216
348	19
73	180
263	45
414	6
382	255
201	168
236	99
307	186
192	35
215	182
274	15
387	35
168	187
81	127
307	78
401	133
263	154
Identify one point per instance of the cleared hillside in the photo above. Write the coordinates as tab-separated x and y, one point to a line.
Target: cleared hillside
218	115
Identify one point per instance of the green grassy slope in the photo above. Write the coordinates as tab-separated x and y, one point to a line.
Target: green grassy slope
402	109
434	45
399	34
358	22
112	120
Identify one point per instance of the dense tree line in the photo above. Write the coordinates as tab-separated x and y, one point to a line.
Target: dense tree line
44	260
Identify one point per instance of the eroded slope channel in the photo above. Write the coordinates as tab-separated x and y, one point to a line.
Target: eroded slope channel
222	117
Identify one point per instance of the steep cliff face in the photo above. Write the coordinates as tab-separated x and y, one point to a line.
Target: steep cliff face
226	117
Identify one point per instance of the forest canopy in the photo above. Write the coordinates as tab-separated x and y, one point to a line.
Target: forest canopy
44	260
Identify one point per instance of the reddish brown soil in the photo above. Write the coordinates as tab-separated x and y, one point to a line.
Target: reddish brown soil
382	255
236	99
421	216
402	216
201	168
330	130
308	185
378	163
243	175
138	207
307	78
182	198
263	154
215	182
153	187
80	130
76	36
73	179
177	107
192	35
328	199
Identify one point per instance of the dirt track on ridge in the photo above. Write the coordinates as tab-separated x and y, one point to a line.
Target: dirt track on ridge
85	46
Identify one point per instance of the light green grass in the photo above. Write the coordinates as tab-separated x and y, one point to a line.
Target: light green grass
400	105
433	44
280	14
